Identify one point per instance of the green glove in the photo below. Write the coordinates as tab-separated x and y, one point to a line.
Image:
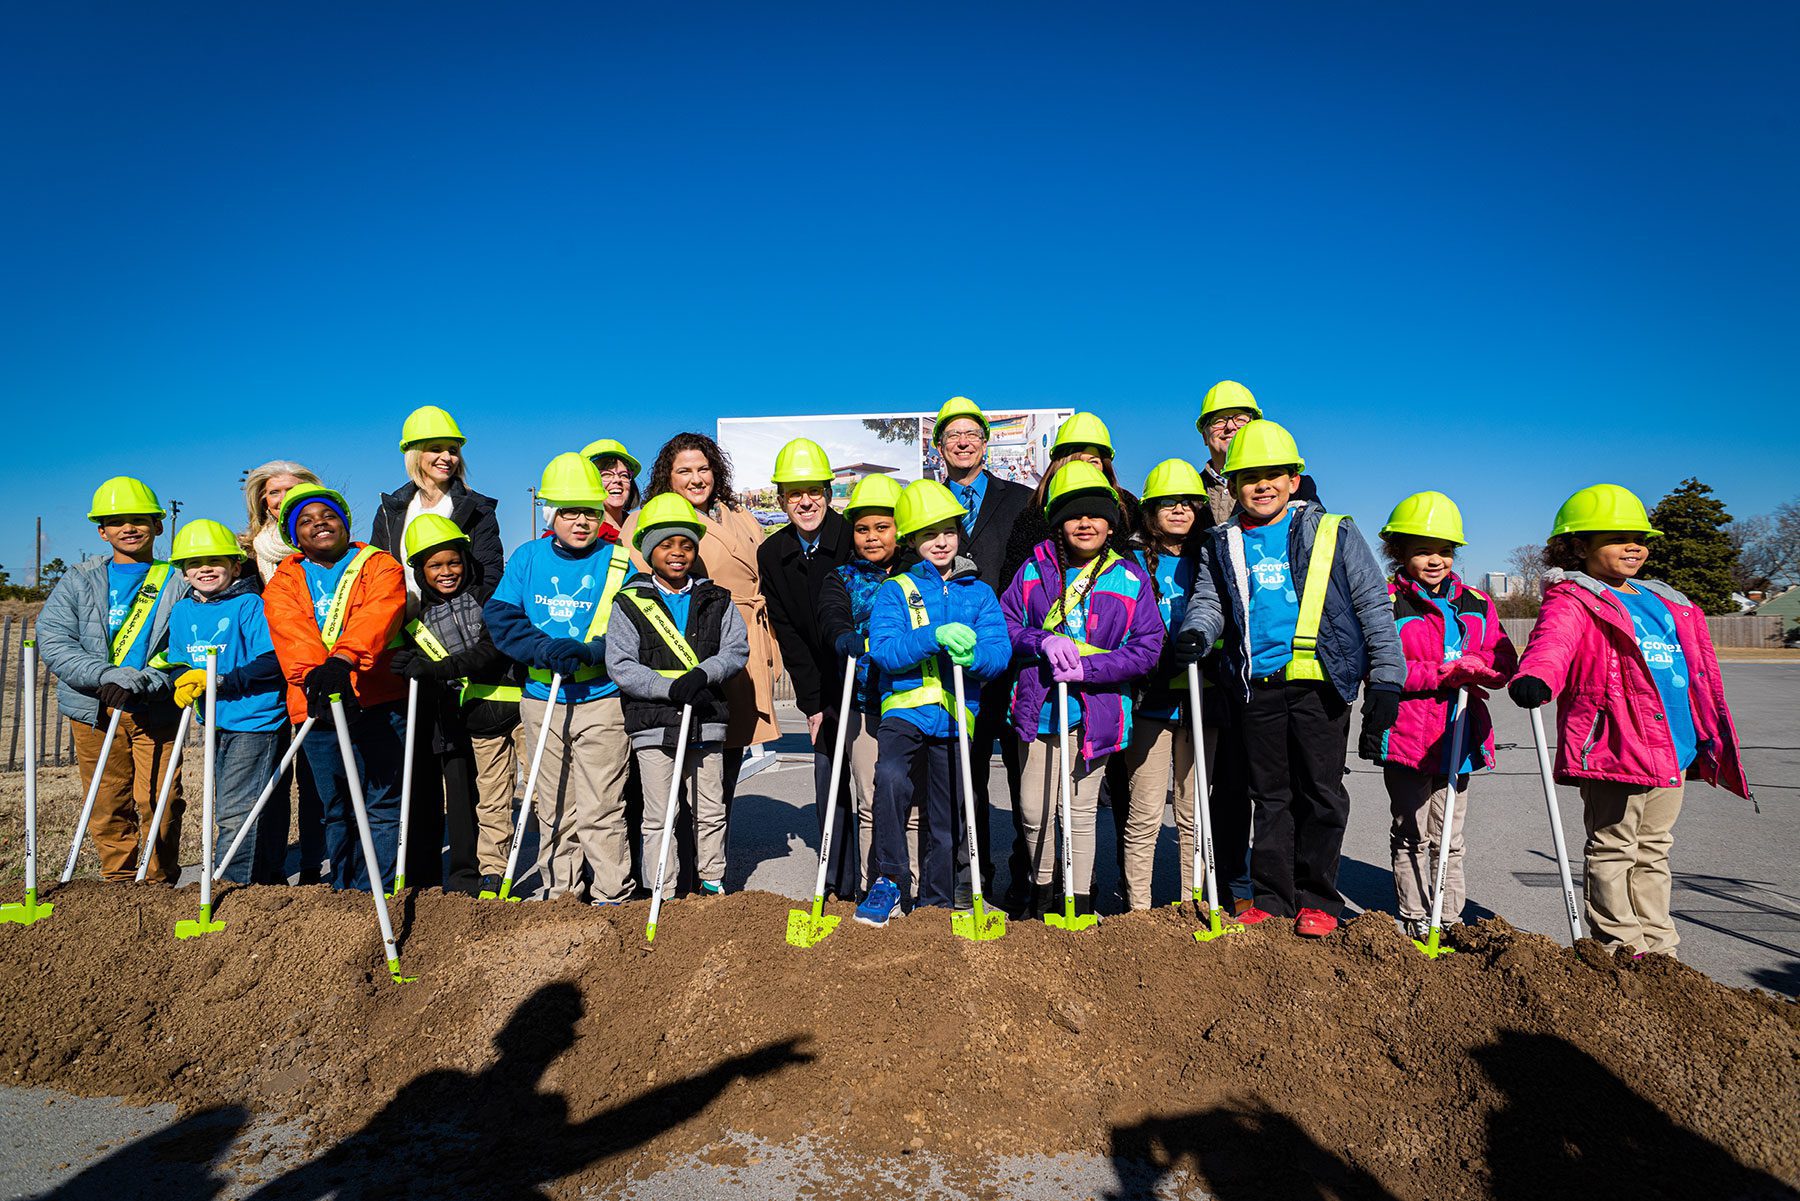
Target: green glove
958	639
963	658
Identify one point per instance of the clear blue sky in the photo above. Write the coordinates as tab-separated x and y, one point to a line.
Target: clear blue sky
1501	252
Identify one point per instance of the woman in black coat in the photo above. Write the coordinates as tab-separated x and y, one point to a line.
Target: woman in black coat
436	467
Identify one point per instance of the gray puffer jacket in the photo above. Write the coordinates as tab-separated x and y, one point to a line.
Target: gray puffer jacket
72	639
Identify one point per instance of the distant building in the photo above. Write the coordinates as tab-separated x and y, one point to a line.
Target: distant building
1785	605
1499	584
845	478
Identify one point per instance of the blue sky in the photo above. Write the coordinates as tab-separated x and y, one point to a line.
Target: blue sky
1500	252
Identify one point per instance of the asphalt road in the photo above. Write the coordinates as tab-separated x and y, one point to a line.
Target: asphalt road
1736	903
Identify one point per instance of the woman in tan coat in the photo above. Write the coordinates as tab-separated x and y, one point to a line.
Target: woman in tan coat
694	466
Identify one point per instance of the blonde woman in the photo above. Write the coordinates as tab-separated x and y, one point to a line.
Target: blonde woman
435	469
263	489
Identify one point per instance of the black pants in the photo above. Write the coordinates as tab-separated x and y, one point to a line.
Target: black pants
993	723
425	823
1295	735
1228	803
900	746
460	828
843	873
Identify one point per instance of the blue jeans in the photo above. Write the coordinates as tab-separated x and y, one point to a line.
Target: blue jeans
245	761
376	742
902	747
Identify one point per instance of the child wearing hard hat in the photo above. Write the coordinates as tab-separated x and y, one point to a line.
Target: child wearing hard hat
551	612
223	612
793	563
674	639
923	623
334	609
1452	638
1640	708
1082	437
845	603
1167	547
1304	612
1080	614
103	623
476	736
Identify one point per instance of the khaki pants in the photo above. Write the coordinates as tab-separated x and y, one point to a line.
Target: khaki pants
1629	832
581	798
127	798
1416	802
861	748
497	759
703	769
1156	747
1040	802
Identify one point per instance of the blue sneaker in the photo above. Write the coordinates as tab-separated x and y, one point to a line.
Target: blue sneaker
880	904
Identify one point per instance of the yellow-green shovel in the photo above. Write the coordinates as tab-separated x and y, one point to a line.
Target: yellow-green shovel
980	924
1068	919
1431	947
809	928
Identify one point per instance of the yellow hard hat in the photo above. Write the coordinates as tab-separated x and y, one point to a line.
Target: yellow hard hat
874	492
304	494
1263	444
1429	515
667	509
204	539
957	406
571	481
428	531
428	423
1082	429
608	448
122	496
922	504
1603	507
1226	394
802	461
1173	477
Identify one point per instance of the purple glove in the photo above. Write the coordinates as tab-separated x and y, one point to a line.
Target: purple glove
1064	657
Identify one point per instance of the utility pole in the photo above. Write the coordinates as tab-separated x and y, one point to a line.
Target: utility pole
174	520
37	556
534	515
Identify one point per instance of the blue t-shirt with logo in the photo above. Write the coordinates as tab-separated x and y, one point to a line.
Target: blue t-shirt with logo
1174	584
322	582
558	596
1074	626
237	626
123	581
1661	646
1274	605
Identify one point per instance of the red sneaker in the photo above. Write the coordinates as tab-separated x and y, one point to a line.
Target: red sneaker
1253	915
1314	923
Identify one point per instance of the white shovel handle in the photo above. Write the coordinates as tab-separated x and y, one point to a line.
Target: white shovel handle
837	774
1458	724
354	781
287	760
1556	832
1068	789
1203	845
968	783
208	782
531	778
662	854
87	808
168	784
406	777
29	667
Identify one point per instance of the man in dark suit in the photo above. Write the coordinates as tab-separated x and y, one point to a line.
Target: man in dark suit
960	434
793	563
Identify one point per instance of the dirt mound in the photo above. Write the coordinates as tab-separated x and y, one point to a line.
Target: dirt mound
547	1043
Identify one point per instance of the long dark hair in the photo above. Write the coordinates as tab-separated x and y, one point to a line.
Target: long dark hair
720	463
1149	539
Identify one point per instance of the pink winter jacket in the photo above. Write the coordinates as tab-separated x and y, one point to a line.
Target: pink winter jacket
1420	739
1609	720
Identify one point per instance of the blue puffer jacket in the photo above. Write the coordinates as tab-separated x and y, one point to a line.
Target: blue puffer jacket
73	641
1356	633
898	649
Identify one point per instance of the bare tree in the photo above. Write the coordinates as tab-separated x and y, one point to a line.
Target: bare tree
1527	562
1772	552
1746	533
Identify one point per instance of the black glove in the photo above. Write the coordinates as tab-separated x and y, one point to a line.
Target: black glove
1529	692
685	689
114	697
330	677
1381	709
565	657
1187	648
402	658
421	668
849	645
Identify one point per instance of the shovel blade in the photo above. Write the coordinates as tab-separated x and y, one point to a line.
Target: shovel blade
394	971
1431	949
1217	927
26	912
194	928
991	926
804	930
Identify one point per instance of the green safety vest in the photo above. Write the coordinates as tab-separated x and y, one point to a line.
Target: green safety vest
339	609
664	625
138	616
1305	663
931	687
437	652
1074	594
616	569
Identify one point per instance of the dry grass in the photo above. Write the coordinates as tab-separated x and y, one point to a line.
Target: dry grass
61	791
1760	653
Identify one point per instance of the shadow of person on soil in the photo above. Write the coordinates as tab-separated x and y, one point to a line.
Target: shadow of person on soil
1246	1152
495	1133
174	1162
1568	1127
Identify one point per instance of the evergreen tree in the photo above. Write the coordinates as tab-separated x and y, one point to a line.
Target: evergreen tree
1695	553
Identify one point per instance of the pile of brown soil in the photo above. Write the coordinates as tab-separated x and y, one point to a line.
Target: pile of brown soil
548	1044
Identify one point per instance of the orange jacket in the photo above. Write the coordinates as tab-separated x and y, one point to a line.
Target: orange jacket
377	609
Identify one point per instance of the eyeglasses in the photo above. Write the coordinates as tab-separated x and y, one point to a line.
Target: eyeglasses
1177	502
617	473
1234	420
973	437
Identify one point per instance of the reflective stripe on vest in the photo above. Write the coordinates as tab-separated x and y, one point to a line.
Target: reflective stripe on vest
1305	664
664	625
616	569
339	612
1074	595
138	616
931	686
437	652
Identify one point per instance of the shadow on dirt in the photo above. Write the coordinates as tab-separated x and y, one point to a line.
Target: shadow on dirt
1564	1126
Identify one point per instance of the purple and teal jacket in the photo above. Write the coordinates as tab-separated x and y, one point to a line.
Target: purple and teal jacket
1122	620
